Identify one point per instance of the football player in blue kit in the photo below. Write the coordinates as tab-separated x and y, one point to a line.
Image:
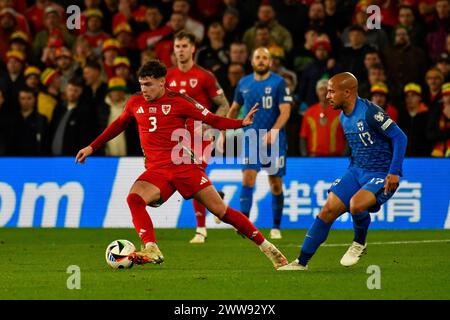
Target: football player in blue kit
264	143
378	147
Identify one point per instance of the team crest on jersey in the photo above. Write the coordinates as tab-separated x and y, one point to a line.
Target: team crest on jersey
173	84
268	90
193	82
379	116
360	125
166	108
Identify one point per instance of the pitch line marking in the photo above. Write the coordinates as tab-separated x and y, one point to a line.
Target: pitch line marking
378	243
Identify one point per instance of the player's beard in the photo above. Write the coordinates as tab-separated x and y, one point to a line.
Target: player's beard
263	71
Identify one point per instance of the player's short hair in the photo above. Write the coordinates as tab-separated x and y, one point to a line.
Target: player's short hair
185	34
261	25
152	69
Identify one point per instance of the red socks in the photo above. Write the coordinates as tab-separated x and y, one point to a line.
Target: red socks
141	220
200	214
243	225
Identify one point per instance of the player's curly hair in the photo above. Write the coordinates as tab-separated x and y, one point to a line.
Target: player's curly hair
152	69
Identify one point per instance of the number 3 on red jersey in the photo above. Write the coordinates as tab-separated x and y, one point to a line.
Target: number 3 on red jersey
152	124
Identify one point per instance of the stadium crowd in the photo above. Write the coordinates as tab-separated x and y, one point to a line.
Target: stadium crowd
60	88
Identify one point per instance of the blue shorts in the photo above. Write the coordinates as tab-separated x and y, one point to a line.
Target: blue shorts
356	179
272	159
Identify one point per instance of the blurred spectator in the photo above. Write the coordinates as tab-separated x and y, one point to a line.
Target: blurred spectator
122	69
321	133
20	41
49	97
94	30
164	47
89	5
439	125
416	31
277	66
37	12
235	72
73	124
376	38
322	66
379	95
9	6
32	127
125	143
32	76
214	55
54	27
130	11
304	55
434	79
239	54
154	29
12	80
110	51
263	38
128	44
82	51
231	26
147	55
95	89
439	29
405	62
280	35
317	20
443	64
351	58
8	25
66	66
197	28
413	121
375	74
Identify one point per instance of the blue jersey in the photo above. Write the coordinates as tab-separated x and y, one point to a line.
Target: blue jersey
366	130
268	93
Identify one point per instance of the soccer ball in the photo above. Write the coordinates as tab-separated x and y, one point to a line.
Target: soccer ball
117	254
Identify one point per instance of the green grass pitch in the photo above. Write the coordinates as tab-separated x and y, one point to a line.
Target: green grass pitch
34	264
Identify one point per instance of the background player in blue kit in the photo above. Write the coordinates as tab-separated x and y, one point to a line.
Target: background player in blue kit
268	148
378	146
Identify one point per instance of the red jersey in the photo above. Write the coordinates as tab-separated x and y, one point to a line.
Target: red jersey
198	83
157	123
322	131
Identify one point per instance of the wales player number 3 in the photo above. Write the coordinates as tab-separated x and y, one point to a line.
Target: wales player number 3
152	124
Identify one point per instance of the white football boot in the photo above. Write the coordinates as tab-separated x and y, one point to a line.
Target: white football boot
353	254
200	236
293	266
275	255
275	234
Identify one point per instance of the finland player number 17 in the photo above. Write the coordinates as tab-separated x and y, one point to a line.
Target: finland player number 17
366	135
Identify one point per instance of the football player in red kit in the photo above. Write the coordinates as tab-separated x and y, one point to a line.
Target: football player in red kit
160	115
201	85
